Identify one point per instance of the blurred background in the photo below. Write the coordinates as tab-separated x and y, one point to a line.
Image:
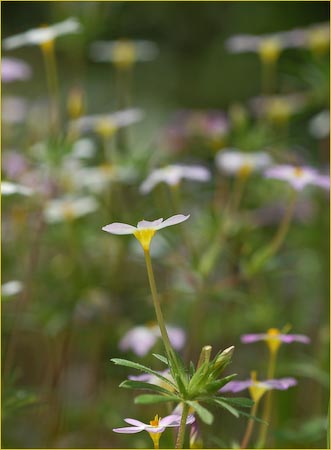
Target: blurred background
79	290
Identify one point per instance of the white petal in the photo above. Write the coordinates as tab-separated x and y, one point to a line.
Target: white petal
119	228
136	423
178	218
146	224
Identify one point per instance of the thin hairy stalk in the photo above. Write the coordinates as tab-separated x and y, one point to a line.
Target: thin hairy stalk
181	431
249	429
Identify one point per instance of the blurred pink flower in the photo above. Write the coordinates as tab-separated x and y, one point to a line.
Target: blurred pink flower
298	177
142	338
13	69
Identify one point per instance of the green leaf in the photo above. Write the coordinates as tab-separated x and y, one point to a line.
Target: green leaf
242	402
215	386
205	415
192	368
132	384
161	358
133	365
245	414
148	399
224	405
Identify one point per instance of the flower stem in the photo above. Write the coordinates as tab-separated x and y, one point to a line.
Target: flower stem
249	429
267	403
181	431
157	308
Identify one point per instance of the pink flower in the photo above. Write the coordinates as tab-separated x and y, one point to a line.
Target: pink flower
298	177
13	69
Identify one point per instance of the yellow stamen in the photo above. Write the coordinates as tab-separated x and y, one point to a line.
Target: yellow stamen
145	237
124	54
257	389
298	172
155	436
155	422
68	212
245	170
269	50
273	340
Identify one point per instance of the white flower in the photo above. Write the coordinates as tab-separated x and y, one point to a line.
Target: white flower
63	209
83	148
319	125
142	338
107	124
11	288
123	52
298	177
42	35
9	188
173	174
234	162
145	229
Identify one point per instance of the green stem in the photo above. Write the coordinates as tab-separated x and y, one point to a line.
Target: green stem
267	403
268	78
181	431
157	308
249	429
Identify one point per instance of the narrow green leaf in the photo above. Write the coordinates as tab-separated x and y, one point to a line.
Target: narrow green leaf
132	384
245	414
161	358
224	405
133	365
205	415
215	386
148	399
242	402
192	368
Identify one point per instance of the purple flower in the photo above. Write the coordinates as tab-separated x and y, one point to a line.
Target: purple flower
155	427
14	109
298	177
258	388
14	164
141	339
13	69
274	338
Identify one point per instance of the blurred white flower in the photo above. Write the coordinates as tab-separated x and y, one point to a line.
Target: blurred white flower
142	338
298	177
43	34
14	109
106	124
124	52
173	174
83	149
319	125
233	162
13	69
9	188
12	287
66	209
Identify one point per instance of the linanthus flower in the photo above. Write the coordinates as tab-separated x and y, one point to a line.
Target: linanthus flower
106	124
10	288
274	338
14	164
142	338
269	46
69	208
319	125
123	52
234	162
13	69
14	109
153	379
155	428
278	108
258	388
43	34
145	230
173	174
298	176
9	188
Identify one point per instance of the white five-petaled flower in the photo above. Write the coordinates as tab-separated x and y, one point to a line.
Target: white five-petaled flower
12	287
123	52
173	174
66	209
43	34
106	124
234	162
298	177
145	229
9	188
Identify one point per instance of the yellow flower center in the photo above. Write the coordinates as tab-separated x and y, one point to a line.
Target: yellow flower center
298	172
68	212
107	169
269	50
273	340
279	111
257	389
245	170
47	46
318	41
145	237
124	54
106	128
155	436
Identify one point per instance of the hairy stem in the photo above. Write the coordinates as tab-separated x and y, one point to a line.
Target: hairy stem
181	431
